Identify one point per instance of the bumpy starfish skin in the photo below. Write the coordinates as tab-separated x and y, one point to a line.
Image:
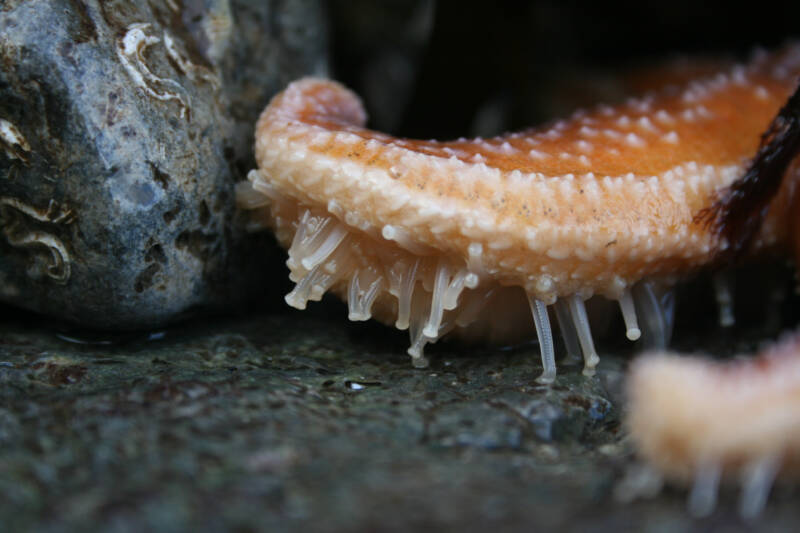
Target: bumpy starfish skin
588	205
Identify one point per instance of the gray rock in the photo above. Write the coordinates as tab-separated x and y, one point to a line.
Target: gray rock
123	127
289	423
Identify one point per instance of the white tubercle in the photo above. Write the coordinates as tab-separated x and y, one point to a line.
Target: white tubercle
568	332
441	283
703	495
332	239
632	330
757	480
724	297
545	335
364	287
578	311
407	283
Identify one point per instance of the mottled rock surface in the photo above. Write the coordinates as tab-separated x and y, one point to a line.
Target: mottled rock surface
123	127
296	423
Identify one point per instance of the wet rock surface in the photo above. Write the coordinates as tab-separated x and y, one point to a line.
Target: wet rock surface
290	422
123	128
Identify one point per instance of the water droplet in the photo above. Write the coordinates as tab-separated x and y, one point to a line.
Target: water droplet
361	385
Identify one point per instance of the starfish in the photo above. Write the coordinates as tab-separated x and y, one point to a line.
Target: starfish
701	422
462	235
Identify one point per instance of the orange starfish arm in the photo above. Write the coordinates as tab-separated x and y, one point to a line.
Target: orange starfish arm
426	233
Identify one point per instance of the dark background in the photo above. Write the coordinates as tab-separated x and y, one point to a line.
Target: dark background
426	68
